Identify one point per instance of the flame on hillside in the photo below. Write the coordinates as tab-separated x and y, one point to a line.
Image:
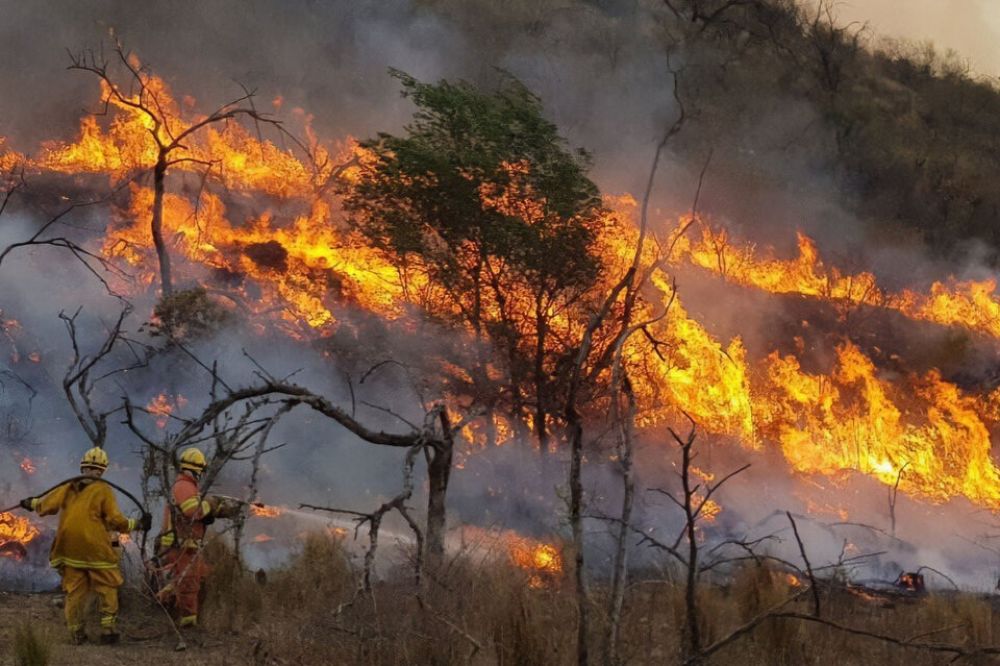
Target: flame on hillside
293	262
970	304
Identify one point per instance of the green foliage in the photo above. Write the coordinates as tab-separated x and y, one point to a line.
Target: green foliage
30	647
427	195
482	196
187	315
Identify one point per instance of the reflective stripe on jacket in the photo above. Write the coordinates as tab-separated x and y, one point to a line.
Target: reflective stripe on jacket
87	510
190	509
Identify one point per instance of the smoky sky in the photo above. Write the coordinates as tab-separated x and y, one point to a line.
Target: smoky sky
598	65
970	27
599	68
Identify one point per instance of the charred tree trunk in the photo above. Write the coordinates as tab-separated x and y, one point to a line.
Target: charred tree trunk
693	632
438	474
576	521
620	569
575	431
159	176
541	414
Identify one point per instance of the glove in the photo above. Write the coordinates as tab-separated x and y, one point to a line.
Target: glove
27	503
146	522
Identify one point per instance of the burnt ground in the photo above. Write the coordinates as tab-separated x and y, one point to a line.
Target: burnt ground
146	636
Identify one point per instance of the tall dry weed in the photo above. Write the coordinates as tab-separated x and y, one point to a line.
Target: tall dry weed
31	647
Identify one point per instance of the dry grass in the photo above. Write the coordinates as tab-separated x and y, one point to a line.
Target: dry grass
475	614
31	647
487	614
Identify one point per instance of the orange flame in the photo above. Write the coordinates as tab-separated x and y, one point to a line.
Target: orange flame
970	304
162	406
293	261
15	535
263	511
28	466
542	561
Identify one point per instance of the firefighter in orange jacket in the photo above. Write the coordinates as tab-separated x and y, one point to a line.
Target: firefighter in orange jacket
184	521
82	551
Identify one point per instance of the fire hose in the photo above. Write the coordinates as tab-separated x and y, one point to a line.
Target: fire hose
80	478
181	645
135	500
230	502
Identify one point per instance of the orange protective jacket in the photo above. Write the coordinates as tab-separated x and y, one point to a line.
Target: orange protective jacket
189	509
87	510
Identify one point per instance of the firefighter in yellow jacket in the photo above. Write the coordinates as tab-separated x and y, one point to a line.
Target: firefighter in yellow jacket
82	551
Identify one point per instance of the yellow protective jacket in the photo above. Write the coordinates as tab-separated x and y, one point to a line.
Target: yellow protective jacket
87	510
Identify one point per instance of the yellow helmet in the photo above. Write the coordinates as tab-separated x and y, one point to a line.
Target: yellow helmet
95	458
193	459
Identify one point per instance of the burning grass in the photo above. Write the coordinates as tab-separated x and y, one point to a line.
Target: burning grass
295	264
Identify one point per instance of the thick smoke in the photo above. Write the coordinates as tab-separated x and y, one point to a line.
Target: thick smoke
602	72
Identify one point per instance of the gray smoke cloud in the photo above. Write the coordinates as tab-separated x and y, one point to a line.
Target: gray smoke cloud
602	73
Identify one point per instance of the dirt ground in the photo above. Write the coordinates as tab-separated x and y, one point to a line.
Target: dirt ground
146	637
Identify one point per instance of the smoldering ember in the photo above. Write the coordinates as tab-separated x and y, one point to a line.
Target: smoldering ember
470	332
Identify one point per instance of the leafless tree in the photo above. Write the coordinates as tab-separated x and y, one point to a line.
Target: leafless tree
240	410
893	495
169	133
95	264
86	371
834	46
623	401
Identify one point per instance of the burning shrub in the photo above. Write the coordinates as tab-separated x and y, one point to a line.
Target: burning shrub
187	315
15	534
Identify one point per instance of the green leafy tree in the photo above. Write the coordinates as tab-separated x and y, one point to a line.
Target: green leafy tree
492	220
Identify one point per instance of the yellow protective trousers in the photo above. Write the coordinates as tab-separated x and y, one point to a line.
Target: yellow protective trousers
79	583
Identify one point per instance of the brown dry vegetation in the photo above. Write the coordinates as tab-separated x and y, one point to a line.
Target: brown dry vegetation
471	614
